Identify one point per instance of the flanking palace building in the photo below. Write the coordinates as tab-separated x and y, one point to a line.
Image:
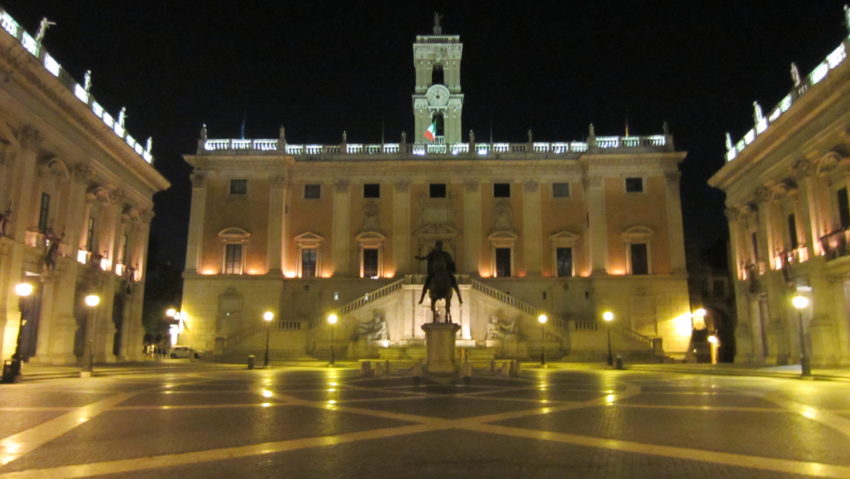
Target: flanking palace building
568	229
786	184
75	209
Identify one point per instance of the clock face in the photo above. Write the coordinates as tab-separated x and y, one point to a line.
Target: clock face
438	95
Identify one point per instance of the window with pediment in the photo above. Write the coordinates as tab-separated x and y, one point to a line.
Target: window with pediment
235	248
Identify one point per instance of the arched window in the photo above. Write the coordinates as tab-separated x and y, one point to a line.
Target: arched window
437	75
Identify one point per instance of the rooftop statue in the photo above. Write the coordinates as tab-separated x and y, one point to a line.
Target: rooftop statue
728	141
438	30
122	115
758	115
43	25
847	17
795	74
87	81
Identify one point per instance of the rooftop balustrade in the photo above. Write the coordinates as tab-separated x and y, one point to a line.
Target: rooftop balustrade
762	123
36	49
564	148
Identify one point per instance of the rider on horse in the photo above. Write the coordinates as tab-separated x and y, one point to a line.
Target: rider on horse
439	260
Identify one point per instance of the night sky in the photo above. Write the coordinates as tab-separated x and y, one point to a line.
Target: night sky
319	68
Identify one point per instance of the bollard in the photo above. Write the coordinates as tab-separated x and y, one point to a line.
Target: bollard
466	372
387	368
251	361
492	365
417	373
366	368
8	371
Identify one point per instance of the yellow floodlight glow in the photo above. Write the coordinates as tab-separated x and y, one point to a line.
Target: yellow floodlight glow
92	300
800	302
23	289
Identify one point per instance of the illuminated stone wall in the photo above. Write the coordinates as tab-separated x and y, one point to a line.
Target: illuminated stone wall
79	189
793	164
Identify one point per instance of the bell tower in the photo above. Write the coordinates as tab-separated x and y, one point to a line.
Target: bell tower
437	97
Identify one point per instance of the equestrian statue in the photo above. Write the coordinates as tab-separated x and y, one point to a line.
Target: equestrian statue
440	280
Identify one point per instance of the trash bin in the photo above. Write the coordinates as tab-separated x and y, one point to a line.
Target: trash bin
251	361
618	363
9	371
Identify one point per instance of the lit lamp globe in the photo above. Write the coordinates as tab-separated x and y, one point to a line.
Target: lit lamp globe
800	302
268	316
171	312
608	316
332	318
92	300
542	319
23	289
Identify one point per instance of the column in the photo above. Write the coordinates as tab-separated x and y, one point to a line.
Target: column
746	342
194	249
808	205
401	227
675	229
25	173
597	239
277	202
471	225
115	228
532	229
341	239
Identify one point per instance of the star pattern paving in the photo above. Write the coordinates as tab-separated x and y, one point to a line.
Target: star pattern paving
303	422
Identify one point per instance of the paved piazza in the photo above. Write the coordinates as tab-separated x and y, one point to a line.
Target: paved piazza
302	422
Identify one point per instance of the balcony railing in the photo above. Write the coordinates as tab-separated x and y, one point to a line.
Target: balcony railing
835	243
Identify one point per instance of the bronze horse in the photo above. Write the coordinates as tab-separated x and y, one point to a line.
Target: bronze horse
441	288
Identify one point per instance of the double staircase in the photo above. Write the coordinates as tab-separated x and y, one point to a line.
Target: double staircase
572	334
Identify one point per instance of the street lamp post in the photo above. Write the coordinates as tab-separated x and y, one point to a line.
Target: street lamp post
332	319
92	300
268	316
23	290
608	316
800	302
542	319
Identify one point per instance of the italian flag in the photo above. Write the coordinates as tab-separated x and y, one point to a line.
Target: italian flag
431	133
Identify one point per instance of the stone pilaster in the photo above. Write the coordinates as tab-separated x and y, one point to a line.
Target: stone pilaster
674	222
532	228
597	243
277	202
401	227
341	239
194	248
472	225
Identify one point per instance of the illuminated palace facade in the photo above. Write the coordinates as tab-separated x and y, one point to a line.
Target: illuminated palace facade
786	184
76	200
570	229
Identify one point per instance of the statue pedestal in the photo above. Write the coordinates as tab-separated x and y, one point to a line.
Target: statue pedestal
440	363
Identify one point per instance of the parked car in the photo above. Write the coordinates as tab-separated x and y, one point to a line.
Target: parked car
184	352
